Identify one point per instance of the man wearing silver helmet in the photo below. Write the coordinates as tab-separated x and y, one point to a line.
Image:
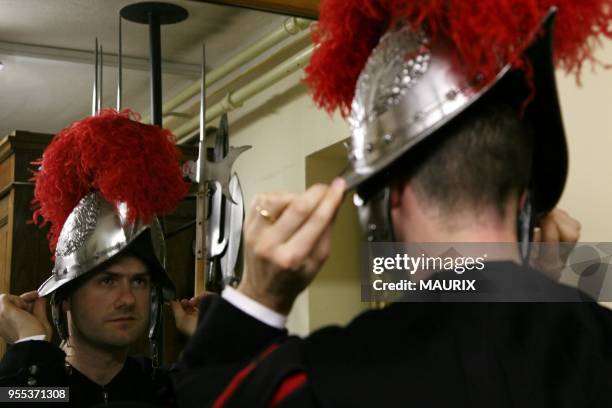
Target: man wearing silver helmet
101	197
457	137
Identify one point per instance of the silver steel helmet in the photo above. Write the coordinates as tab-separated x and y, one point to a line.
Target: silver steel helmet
96	231
411	87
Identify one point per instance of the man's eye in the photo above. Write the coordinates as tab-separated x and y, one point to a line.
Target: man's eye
141	282
107	281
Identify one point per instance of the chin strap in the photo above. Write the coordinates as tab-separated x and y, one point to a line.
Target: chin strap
59	318
155	328
374	215
526	223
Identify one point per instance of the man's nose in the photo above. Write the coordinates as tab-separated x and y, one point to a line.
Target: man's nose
125	297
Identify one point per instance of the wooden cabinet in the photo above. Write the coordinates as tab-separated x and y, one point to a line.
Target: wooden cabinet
24	252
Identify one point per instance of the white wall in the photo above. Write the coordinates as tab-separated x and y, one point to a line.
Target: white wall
587	112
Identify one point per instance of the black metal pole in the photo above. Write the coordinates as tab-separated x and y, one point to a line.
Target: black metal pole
156	79
155	14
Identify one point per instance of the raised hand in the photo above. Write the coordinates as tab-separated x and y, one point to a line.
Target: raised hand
23	316
558	227
288	238
186	314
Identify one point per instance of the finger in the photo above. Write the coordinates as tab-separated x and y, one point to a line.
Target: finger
304	241
569	232
323	247
29	296
298	211
17	301
274	203
562	217
195	301
201	295
186	304
559	212
569	229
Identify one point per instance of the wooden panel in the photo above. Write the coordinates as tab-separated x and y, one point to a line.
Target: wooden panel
4	210
298	8
28	147
6	226
6	238
7	173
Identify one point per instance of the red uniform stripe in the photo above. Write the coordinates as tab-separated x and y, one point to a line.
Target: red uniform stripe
239	378
288	386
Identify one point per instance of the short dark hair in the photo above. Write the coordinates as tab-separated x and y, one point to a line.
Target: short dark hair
480	159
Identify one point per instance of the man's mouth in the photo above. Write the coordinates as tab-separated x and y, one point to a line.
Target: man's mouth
123	319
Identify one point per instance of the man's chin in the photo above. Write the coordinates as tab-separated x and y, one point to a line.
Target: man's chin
124	336
121	339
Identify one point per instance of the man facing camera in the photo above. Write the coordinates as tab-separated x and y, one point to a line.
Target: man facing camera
102	196
457	137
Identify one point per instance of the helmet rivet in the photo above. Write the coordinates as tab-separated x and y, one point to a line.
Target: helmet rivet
357	200
369	147
372	227
387	138
452	94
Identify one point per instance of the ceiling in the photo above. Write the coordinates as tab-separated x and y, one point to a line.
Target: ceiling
46	48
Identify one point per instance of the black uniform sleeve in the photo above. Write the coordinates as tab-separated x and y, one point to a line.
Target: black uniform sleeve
276	378
226	334
225	342
33	363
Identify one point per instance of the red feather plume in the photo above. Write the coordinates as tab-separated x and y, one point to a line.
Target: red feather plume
482	31
126	161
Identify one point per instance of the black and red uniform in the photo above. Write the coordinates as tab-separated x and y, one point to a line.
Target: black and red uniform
407	355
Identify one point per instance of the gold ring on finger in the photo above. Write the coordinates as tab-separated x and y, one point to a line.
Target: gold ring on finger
265	214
